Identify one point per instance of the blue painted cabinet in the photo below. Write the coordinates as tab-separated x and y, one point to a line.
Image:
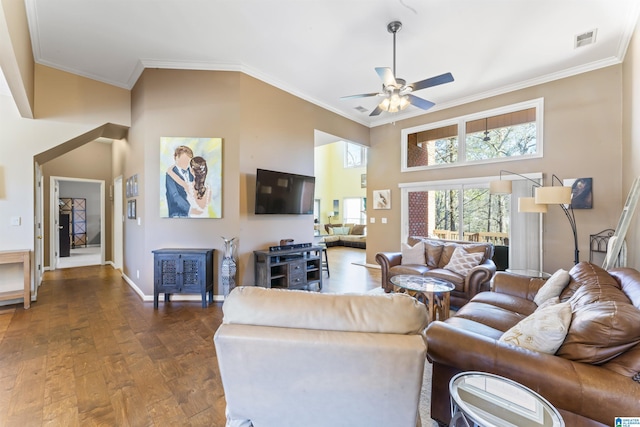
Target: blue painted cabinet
183	271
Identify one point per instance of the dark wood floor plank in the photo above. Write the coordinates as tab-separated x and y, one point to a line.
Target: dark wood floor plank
89	352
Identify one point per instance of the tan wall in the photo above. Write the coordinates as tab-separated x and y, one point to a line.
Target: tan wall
582	138
16	56
261	127
91	161
67	97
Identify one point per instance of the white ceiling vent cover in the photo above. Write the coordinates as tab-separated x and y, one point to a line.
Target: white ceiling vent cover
585	39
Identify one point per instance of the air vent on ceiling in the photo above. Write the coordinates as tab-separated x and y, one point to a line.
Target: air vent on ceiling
585	39
361	109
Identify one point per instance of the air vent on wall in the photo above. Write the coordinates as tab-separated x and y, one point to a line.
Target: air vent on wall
585	39
361	109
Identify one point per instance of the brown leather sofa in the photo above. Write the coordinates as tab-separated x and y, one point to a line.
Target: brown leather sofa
437	255
594	375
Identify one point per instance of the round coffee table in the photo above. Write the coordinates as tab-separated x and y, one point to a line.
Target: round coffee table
431	291
483	399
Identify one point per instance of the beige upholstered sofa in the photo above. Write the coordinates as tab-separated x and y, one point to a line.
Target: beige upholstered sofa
350	235
296	358
435	263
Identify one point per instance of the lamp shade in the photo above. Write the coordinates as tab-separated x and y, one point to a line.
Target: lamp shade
528	204
553	195
500	187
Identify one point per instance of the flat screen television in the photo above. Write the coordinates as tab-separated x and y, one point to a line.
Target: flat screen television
284	193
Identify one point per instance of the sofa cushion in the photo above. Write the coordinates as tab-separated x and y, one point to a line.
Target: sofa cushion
601	331
408	269
251	305
585	273
330	239
543	331
432	253
553	286
489	315
412	254
462	262
627	364
506	301
358	230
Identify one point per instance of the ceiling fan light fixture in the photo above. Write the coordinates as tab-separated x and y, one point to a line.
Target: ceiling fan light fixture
394	102
398	94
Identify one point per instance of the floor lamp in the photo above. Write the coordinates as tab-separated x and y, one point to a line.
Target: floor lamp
543	196
560	195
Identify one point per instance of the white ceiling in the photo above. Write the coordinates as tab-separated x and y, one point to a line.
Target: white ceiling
322	50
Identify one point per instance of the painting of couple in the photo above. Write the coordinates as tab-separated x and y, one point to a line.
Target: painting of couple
190	177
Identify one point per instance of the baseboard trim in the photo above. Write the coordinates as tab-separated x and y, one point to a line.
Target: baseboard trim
174	297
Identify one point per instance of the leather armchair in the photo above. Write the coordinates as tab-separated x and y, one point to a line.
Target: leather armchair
296	358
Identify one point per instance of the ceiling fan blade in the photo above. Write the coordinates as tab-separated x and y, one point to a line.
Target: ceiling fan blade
376	111
433	81
362	95
419	102
385	73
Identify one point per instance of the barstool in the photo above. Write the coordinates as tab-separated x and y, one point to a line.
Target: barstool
324	258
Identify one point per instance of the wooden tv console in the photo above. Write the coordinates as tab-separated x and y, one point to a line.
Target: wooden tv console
298	268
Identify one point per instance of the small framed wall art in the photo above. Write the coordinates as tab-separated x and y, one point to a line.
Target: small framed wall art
131	209
381	199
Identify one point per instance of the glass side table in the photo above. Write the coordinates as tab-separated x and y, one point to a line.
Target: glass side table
431	291
483	399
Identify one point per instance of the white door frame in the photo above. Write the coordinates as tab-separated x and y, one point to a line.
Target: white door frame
118	224
38	231
54	216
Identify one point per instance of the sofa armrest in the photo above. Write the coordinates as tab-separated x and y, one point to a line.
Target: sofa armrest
580	388
386	261
519	286
478	276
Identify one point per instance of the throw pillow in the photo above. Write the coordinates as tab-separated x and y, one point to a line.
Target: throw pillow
358	230
553	286
543	331
412	254
601	331
340	231
462	262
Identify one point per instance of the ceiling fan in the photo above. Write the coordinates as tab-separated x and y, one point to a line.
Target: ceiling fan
396	92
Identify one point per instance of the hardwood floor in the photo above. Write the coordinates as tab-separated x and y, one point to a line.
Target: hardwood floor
89	352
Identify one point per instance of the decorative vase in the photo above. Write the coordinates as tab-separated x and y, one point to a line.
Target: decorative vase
228	267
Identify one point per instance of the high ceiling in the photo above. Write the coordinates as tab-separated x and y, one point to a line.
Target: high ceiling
321	50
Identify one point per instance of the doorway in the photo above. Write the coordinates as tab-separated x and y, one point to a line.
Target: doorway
81	200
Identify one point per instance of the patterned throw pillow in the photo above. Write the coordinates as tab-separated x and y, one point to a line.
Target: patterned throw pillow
462	262
543	331
413	254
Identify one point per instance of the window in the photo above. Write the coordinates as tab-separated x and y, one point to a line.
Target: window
465	210
355	156
354	210
505	133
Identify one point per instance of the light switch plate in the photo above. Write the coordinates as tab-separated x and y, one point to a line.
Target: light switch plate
16	220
